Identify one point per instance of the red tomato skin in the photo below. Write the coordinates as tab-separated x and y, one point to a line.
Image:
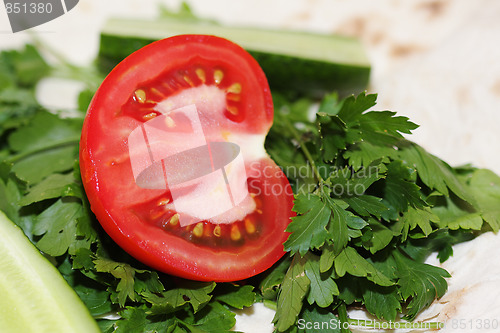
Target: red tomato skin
159	250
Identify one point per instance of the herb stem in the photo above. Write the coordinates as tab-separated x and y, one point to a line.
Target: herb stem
303	147
343	317
270	304
52	51
113	315
88	75
66	69
61	144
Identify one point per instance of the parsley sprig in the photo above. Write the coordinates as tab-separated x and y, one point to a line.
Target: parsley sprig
370	207
369	212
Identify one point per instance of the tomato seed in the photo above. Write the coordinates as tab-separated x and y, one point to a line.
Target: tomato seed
149	116
249	226
235	233
218	76
163	202
174	220
140	95
217	231
235	88
200	73
198	229
232	110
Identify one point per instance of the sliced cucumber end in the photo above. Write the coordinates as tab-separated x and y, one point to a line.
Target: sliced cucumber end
295	62
35	296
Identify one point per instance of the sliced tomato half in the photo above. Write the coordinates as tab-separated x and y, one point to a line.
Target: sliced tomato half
143	157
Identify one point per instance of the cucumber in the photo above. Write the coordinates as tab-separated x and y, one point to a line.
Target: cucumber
34	295
294	62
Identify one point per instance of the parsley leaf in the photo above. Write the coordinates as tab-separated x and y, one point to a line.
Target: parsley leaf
321	321
339	225
435	173
322	287
194	293
49	142
214	318
293	290
364	153
386	122
400	190
455	213
354	106
26	66
420	282
308	228
440	241
55	160
350	261
125	275
236	296
381	236
383	302
366	205
57	224
422	217
135	320
485	187
54	186
272	279
45	131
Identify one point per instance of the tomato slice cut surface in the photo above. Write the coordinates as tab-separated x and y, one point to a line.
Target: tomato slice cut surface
173	161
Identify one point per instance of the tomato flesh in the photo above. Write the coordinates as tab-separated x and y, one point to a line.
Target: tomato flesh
231	97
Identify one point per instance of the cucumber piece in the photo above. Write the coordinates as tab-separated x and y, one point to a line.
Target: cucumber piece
34	295
294	62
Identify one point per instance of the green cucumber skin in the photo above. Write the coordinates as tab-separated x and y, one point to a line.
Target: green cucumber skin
311	78
113	49
290	75
35	296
